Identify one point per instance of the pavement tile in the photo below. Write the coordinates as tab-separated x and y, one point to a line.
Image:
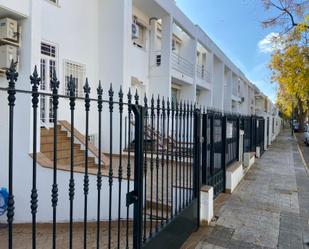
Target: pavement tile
270	208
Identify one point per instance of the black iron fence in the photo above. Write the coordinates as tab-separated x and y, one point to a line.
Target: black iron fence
213	150
232	138
152	180
221	143
246	126
149	183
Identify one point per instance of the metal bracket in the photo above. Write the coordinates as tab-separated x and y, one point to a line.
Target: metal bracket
131	198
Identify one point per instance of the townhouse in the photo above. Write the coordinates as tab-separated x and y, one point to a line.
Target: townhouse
149	46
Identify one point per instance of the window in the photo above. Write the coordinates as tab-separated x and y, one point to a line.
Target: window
48	49
176	44
48	64
139	31
175	94
78	74
173	45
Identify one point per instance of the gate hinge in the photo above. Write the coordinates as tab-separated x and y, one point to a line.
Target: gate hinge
131	197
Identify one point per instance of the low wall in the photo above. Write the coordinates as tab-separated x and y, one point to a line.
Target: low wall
234	175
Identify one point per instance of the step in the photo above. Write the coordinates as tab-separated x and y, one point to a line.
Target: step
59	134
78	159
45	131
60	146
61	154
50	139
154	214
90	165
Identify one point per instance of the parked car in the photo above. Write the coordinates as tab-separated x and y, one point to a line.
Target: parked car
306	135
295	126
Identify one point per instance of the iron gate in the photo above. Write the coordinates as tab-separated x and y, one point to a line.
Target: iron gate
247	128
253	133
170	182
150	189
213	150
232	138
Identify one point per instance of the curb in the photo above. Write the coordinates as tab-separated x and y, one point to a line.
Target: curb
302	156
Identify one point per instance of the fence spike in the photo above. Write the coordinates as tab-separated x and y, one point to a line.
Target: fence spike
100	89
35	80
71	86
146	105
129	95
87	87
11	73
152	101
136	97
120	95
111	99
158	103
54	82
168	106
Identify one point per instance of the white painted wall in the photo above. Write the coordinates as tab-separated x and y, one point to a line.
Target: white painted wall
99	37
218	84
227	90
160	77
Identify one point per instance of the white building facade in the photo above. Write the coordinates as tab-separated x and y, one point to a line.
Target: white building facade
146	45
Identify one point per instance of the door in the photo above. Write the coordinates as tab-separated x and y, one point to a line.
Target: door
48	65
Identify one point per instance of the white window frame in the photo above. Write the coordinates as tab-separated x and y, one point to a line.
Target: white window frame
141	41
46	112
81	81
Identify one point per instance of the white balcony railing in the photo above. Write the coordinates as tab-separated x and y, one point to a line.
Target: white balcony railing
182	65
202	73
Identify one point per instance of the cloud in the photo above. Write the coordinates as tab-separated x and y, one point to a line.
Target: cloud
270	43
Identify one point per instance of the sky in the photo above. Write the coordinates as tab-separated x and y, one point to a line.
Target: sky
235	26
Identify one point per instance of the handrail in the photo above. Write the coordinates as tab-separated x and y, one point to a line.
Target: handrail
82	139
153	132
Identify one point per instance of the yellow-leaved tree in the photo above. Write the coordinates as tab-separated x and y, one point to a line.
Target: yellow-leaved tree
290	68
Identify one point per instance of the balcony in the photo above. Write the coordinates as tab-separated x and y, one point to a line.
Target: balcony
182	65
202	73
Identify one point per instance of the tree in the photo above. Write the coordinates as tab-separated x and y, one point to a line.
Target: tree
290	68
290	62
289	13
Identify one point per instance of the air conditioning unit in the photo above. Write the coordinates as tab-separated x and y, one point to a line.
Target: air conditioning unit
8	29
135	31
7	54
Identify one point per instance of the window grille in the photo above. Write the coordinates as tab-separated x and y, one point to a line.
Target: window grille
78	74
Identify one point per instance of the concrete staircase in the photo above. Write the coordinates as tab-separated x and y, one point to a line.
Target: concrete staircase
63	148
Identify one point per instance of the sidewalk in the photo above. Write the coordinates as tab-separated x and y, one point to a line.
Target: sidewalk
270	208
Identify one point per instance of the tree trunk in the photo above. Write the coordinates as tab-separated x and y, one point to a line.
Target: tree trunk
301	115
